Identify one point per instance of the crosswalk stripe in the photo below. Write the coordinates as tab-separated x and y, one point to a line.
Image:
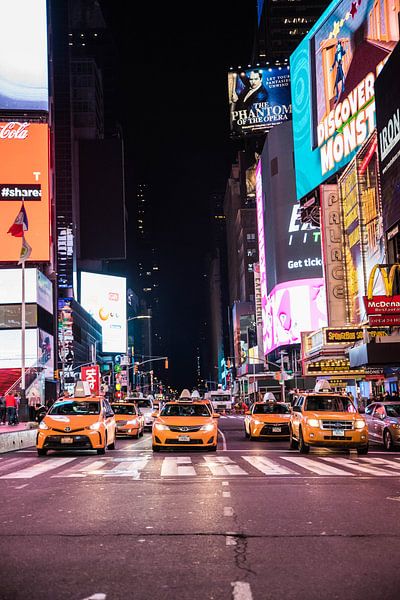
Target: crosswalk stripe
384	462
177	466
38	469
131	468
14	462
92	468
356	466
314	466
223	465
267	466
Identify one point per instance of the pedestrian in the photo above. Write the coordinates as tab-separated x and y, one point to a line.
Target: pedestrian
11	407
32	401
2	410
40	412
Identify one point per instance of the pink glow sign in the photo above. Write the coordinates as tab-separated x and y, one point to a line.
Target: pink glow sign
261	254
292	308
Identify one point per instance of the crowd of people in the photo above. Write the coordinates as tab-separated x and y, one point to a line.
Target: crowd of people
10	404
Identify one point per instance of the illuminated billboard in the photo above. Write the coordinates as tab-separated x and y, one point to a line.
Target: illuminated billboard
24	176
23	56
104	297
11	345
38	289
333	71
261	253
259	99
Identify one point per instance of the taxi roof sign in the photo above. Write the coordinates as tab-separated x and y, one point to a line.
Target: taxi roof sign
322	385
82	389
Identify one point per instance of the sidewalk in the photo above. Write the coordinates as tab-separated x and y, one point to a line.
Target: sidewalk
12	428
17	437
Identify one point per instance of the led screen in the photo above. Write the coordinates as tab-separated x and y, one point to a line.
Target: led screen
259	98
24	151
333	71
292	308
11	345
261	253
38	289
104	297
23	56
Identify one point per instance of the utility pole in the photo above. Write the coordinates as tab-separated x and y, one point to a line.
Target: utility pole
282	376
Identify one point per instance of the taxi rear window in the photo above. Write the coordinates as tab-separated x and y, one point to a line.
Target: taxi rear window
70	407
185	410
121	409
329	403
270	409
144	404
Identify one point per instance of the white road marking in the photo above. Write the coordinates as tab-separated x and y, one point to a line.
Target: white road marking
38	469
223	465
384	462
14	462
93	468
230	540
96	597
177	466
241	590
225	483
226	494
131	468
228	511
315	466
397	498
358	466
19	487
267	466
224	446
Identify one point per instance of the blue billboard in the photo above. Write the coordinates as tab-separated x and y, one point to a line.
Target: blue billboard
333	71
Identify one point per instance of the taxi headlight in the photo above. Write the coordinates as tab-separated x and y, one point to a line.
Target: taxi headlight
160	426
257	422
396	425
95	426
43	425
359	424
208	427
132	422
313	422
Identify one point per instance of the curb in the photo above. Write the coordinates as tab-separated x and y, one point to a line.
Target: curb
17	440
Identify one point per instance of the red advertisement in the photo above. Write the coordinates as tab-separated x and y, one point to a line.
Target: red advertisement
385	320
92	376
382	305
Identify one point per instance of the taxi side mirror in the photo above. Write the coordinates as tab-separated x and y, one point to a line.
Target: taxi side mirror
216	415
247	412
154	414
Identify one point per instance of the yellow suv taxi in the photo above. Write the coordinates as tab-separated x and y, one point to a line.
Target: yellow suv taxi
185	424
77	423
128	419
328	420
267	420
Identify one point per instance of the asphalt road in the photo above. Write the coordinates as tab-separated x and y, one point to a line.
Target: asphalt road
253	521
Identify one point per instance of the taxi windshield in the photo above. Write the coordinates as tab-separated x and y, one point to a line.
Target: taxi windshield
393	410
71	407
144	403
124	409
185	410
330	403
270	409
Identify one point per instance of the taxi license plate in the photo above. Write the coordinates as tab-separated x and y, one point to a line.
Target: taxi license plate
184	438
67	440
338	432
276	430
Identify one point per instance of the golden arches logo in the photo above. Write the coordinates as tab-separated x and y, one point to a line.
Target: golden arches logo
388	273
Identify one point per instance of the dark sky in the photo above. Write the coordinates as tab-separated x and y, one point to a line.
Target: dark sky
176	129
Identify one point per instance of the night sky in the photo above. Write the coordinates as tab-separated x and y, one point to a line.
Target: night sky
176	129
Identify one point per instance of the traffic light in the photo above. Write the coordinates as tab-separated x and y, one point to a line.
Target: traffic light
117	369
166	364
228	363
136	368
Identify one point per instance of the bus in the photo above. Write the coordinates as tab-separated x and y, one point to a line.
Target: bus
221	400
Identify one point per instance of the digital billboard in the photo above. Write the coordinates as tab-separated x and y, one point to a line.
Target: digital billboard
23	56
259	99
38	289
11	346
24	176
104	297
261	251
333	71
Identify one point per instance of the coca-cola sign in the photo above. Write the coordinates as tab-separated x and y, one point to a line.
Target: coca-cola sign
382	305
13	130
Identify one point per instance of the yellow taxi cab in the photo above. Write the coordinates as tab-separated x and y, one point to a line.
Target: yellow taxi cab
267	420
326	419
185	423
80	422
127	418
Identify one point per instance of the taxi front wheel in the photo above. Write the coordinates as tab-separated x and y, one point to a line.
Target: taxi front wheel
101	450
41	451
156	448
303	447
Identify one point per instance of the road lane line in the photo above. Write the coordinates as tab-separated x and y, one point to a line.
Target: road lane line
225	483
230	540
241	590
351	464
268	466
315	466
224	446
228	511
15	462
39	468
223	465
226	494
131	468
177	466
93	467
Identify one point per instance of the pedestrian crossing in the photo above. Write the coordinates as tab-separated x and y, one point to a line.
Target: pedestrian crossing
146	466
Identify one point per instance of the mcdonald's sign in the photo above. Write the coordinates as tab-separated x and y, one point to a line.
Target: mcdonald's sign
383	310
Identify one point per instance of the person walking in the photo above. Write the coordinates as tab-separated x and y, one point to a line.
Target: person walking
11	408
2	410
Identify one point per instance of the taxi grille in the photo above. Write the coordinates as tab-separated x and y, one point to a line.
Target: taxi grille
67	432
337	425
184	428
267	429
121	423
79	441
177	442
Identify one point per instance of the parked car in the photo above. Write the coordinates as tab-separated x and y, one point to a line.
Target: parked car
383	421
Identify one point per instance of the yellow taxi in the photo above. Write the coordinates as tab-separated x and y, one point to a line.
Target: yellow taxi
326	419
267	420
185	424
81	422
127	418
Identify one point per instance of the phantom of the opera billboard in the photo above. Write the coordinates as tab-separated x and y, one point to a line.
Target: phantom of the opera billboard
24	176
333	72
259	99
23	51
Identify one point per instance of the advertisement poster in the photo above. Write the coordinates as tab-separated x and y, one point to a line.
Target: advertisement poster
46	353
23	56
24	173
333	73
104	297
11	346
259	99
